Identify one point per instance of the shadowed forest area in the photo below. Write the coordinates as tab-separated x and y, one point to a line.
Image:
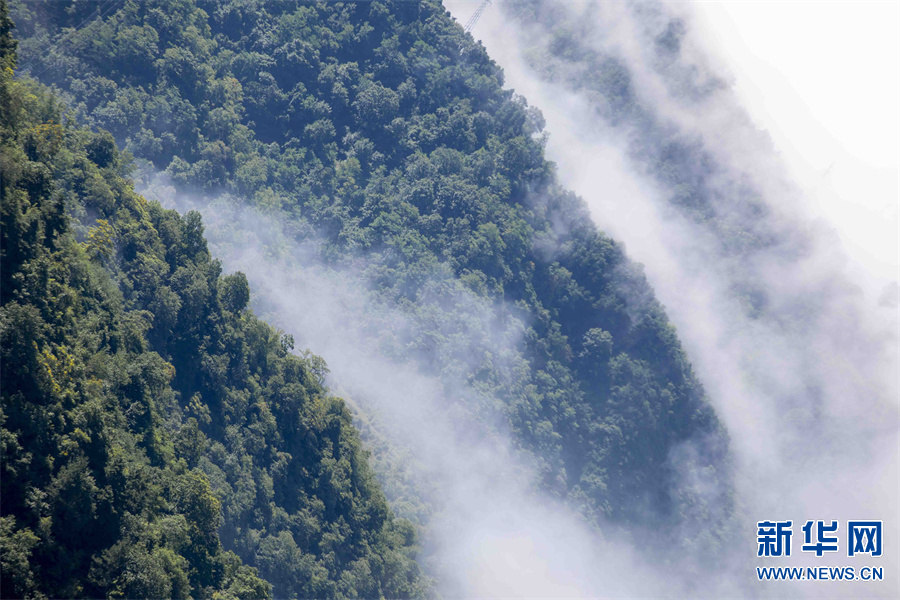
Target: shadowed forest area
160	440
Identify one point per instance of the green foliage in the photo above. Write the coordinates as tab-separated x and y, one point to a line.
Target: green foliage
381	126
149	420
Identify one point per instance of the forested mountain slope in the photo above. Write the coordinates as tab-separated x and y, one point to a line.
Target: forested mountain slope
382	128
157	439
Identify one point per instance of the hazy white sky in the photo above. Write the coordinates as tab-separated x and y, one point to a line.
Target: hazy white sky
824	79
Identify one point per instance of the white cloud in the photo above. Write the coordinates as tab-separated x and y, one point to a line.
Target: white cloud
823	78
807	382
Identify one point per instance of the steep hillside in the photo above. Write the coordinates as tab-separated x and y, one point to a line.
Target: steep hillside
384	129
157	439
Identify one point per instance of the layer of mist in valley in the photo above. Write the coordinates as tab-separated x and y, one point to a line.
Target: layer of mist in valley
439	437
798	356
440	445
592	324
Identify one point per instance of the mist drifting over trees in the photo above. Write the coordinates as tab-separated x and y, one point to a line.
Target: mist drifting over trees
296	305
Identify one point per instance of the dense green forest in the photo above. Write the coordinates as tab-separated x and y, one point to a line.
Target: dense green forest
383	128
157	439
138	386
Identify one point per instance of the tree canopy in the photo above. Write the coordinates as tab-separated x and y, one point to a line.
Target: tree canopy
383	128
157	439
